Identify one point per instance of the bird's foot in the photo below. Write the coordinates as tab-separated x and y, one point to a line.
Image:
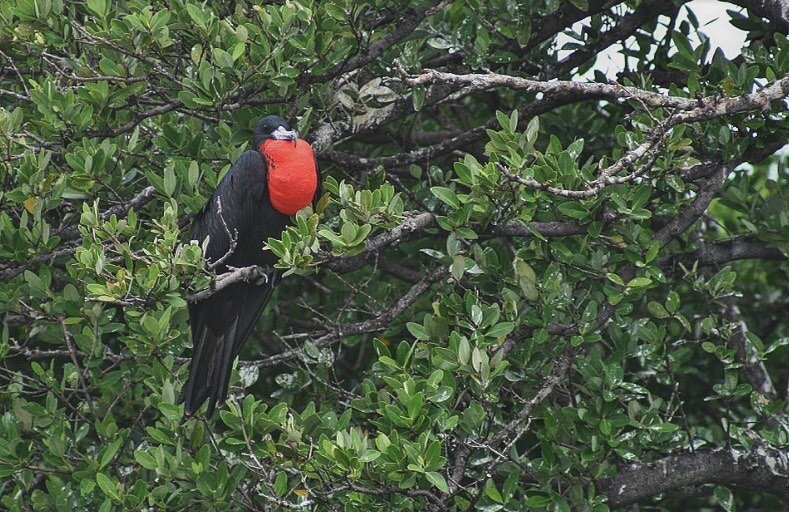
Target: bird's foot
261	279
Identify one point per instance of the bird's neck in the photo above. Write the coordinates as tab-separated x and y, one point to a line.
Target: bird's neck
292	175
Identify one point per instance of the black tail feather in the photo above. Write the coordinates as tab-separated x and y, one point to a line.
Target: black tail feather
201	369
212	362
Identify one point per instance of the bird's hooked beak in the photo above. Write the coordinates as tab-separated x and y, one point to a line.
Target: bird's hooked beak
282	134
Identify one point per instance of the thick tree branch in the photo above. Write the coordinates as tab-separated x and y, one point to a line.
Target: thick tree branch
720	253
706	193
577	89
764	469
752	155
352	161
550	229
415	222
399	271
703	109
777	11
412	223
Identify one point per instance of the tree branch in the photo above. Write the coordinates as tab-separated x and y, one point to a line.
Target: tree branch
697	207
236	275
753	367
753	155
71	234
399	271
763	468
406	24
626	27
577	89
719	253
703	109
375	324
560	366
413	222
777	11
707	108
416	221
352	161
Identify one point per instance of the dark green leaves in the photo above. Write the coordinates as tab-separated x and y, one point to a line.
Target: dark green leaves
560	336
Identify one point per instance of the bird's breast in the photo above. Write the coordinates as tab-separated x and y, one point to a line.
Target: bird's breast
292	176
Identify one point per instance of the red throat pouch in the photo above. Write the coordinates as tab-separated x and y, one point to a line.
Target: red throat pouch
292	176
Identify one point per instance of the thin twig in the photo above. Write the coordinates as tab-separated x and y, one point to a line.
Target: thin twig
231	237
80	372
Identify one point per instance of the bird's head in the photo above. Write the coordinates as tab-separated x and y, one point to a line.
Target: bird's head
274	127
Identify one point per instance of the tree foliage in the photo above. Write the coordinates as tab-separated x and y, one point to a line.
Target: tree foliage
528	287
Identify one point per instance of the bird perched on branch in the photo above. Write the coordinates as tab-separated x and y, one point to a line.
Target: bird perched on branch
254	201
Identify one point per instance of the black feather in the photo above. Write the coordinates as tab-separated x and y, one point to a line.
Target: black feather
221	323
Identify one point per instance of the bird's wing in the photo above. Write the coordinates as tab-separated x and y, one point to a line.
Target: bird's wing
234	208
238	210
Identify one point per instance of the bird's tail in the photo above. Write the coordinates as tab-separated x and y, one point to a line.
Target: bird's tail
212	362
209	372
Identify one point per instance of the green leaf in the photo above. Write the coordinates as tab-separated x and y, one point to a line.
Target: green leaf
437	480
664	427
336	12
417	331
196	13
369	456
532	130
657	310
99	7
574	210
538	501
107	486
639	282
169	181
440	395
446	195
145	460
109	452
458	267
501	329
464	351
418	97
504	120
492	492
281	484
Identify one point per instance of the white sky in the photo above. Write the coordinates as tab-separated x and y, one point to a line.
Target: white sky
713	20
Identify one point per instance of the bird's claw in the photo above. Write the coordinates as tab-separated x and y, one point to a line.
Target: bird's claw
262	279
